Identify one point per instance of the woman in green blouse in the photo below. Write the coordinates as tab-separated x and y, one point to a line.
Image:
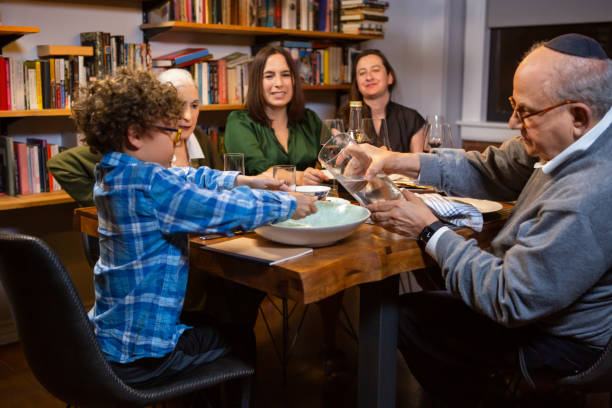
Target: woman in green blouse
276	128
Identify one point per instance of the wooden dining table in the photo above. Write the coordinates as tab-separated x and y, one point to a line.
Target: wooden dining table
370	258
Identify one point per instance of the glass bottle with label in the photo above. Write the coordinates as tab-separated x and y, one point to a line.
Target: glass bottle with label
354	125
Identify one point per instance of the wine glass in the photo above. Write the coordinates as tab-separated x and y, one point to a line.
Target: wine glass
331	127
376	131
437	135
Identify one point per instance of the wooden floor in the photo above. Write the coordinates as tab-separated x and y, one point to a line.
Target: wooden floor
308	386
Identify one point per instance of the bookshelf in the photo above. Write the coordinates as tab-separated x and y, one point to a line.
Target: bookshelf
203	108
34	200
63	50
151	31
8	34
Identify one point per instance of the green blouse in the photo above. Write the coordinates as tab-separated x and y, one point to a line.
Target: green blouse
261	148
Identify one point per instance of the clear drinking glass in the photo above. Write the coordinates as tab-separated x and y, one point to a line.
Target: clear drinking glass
233	162
437	135
351	173
331	127
285	172
376	131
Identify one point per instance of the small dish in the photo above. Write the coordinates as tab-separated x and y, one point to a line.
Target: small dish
319	191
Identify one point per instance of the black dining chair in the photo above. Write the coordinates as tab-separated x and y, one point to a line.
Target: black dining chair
62	351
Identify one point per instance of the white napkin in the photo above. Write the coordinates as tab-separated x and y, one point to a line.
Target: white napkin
453	212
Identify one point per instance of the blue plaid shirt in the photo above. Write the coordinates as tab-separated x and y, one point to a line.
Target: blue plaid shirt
145	213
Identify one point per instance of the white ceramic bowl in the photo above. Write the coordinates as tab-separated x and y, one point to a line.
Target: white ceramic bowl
334	220
319	191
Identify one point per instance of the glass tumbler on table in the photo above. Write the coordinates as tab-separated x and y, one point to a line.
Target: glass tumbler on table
351	173
286	173
233	162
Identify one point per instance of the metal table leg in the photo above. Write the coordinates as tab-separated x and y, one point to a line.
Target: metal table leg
378	319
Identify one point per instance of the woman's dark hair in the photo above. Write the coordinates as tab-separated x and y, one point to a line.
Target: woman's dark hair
355	95
256	103
107	108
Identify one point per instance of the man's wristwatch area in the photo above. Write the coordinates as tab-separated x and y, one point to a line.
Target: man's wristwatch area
428	232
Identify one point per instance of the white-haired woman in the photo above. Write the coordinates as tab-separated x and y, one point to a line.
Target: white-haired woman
196	148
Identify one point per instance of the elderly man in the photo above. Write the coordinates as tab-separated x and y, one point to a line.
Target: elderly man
541	301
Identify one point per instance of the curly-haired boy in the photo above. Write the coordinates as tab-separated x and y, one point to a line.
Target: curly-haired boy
145	212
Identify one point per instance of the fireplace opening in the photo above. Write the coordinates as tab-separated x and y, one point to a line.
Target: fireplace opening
509	44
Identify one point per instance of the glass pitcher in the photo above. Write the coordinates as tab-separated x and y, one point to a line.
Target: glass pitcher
351	174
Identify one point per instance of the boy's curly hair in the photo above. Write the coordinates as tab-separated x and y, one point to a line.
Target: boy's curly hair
109	107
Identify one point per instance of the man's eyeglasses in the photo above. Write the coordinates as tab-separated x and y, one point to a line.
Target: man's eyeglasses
175	133
523	116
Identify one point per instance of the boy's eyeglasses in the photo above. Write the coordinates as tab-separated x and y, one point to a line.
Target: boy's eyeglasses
175	132
523	116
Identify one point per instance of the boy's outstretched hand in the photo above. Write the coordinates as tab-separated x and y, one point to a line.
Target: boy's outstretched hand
261	181
305	205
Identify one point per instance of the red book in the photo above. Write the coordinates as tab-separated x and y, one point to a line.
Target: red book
7	68
4	84
21	154
222	80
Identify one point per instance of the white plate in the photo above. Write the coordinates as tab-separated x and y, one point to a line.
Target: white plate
484	206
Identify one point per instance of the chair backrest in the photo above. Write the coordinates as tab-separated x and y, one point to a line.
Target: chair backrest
57	337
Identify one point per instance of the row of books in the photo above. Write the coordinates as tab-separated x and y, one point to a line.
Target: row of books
311	15
40	84
223	80
23	166
111	51
364	17
51	83
217	136
319	63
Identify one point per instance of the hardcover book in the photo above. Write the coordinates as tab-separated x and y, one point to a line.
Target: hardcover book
181	58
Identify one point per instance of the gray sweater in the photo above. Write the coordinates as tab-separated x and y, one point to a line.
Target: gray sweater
551	263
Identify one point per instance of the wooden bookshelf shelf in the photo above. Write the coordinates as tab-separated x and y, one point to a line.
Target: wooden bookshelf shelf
152	30
34	200
338	87
34	112
63	50
209	108
8	34
219	108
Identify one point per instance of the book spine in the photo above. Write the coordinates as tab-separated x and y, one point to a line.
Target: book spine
9	165
3	85
21	155
222	81
39	95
